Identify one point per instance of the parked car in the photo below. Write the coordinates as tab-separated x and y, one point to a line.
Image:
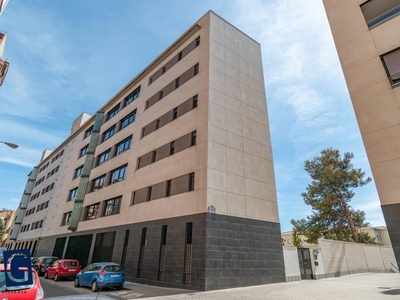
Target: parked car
33	259
42	263
2	249
100	275
33	291
63	268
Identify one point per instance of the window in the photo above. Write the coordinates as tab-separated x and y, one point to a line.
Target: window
66	218
193	138
168	189
109	133
78	172
91	211
179	56
146	105
88	132
104	157
197	43
83	151
123	146
138	163
172	148
157	123
160	95
195	100
72	194
132	97
149	190
191	182
391	62
98	183
128	119
163	70
153	156
377	11
112	206
118	175
150	80
175	113
142	132
196	69
113	112
177	82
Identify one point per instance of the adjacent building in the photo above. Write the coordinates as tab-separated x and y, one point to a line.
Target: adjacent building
3	63
367	38
6	217
173	177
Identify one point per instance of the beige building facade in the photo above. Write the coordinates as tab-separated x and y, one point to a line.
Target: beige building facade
367	38
173	177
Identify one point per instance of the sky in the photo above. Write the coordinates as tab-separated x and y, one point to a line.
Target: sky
71	56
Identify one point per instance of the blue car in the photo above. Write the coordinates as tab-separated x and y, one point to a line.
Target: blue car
100	275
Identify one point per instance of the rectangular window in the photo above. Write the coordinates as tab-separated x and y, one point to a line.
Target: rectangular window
83	151
197	41
66	218
105	156
98	183
132	97
138	164
161	256
78	172
142	132
157	123
141	253
391	62
118	175
149	190
163	70
172	148
150	80
112	206
92	211
175	113
193	139
177	82
179	56
160	95
191	182
153	156
125	248
196	69
113	112
168	189
378	11
146	105
123	146
109	133
72	194
195	100
187	262
128	119
88	132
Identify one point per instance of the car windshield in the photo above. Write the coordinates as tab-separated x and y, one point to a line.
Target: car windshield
113	268
3	286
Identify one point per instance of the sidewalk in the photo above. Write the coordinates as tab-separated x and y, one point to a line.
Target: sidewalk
373	286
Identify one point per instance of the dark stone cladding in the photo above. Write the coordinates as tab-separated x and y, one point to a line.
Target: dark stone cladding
226	251
391	213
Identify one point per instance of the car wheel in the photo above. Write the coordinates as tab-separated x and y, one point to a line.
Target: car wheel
56	278
76	283
120	287
46	276
95	287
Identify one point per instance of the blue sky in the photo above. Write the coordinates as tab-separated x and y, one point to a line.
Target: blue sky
70	56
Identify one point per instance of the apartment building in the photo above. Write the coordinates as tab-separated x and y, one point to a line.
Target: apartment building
173	177
366	35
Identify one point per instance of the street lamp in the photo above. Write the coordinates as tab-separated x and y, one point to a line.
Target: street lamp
14	146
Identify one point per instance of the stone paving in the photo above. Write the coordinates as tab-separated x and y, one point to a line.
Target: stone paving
374	286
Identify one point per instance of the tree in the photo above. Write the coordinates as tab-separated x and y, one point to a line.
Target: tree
1	229
329	194
297	242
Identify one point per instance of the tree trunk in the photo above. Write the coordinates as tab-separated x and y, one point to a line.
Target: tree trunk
352	227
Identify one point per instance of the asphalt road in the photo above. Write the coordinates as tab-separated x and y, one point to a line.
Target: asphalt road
61	288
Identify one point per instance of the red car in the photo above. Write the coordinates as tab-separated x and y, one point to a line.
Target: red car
63	268
33	291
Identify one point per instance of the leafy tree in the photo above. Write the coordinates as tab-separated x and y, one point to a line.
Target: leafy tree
297	242
1	229
329	194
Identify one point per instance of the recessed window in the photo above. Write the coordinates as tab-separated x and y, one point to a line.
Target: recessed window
168	189
195	101
157	123
378	11
175	113
109	133
160	95
128	119
191	182
177	82
72	194
88	132
153	156
83	151
146	105
118	175
132	97
113	112
123	146
112	206
172	148
179	56
193	138
163	70
78	172
391	61
149	190
66	218
92	211
105	156
197	43
98	183
150	80
196	69
142	132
